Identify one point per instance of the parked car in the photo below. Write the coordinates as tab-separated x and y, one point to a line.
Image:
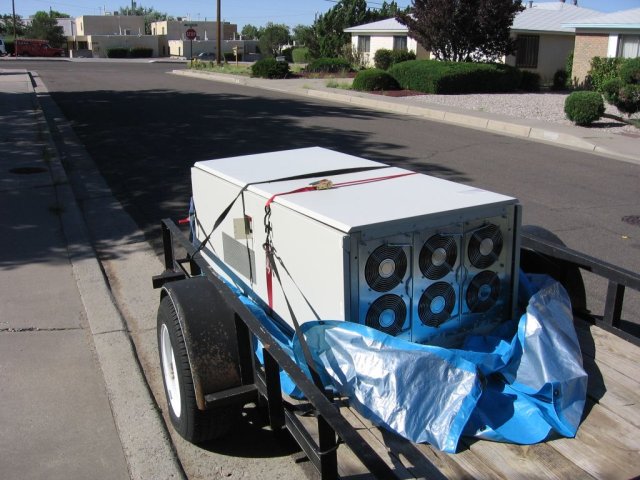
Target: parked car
37	48
206	56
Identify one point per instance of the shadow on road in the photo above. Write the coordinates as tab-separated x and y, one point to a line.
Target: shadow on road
144	142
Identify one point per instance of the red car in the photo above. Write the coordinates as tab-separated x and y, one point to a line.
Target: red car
37	48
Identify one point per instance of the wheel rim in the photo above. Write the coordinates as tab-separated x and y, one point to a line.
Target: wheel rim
169	372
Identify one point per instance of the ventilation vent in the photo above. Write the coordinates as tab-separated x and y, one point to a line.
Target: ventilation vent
485	246
385	268
438	256
436	304
387	314
483	291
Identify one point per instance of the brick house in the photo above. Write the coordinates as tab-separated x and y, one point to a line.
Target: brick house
611	35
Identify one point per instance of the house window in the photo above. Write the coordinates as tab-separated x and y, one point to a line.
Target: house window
364	43
527	51
400	43
628	46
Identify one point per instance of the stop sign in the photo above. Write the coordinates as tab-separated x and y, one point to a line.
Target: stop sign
191	34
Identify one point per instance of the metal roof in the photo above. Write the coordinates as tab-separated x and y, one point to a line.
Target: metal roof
550	17
541	17
389	25
625	19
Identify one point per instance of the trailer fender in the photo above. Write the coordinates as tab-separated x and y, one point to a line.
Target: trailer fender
208	328
567	274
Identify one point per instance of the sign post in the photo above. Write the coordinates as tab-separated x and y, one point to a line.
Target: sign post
191	35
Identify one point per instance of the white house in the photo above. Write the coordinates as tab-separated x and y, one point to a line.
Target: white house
388	34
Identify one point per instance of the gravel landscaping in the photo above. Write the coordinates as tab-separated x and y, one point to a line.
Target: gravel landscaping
548	107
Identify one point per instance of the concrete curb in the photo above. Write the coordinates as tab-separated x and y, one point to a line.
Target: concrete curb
468	120
143	435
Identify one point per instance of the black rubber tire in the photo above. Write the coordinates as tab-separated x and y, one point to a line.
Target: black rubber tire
194	425
568	275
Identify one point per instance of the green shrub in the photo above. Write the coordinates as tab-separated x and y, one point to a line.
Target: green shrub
628	100
301	55
141	52
374	79
118	52
583	108
287	53
630	70
270	68
383	58
603	69
329	65
398	56
529	81
560	80
611	88
432	76
568	67
9	47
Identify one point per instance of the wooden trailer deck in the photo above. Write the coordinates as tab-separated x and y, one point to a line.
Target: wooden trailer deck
607	445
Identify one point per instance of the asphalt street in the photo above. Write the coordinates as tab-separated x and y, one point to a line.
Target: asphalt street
145	128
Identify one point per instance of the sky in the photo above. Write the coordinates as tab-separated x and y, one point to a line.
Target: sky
240	12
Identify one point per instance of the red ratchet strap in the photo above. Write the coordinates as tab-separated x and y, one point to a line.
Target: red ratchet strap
321	185
325	185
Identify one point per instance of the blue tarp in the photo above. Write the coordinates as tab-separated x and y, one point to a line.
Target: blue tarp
522	383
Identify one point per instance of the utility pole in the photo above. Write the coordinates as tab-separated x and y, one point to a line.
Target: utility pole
218	37
15	35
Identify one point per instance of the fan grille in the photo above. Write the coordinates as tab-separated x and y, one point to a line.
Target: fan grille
483	291
485	246
387	314
385	268
438	256
436	304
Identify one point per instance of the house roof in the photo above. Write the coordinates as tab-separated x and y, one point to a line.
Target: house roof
550	17
390	25
541	17
625	19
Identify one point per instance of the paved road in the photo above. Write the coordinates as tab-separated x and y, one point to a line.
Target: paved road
145	128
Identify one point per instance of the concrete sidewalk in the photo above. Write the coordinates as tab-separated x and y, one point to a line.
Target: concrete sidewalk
590	140
74	402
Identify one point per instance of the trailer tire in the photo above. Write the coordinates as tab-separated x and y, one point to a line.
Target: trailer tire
568	275
194	425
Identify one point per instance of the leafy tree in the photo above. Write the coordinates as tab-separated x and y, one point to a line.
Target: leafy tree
150	15
251	32
6	26
273	36
463	30
329	38
56	14
302	35
44	26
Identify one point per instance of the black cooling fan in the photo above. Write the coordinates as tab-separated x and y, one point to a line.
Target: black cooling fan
385	268
485	246
387	314
436	304
483	291
438	256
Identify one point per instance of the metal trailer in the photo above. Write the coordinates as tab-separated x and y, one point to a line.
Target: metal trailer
213	341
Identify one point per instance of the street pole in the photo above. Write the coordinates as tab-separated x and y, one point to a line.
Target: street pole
15	35
218	37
